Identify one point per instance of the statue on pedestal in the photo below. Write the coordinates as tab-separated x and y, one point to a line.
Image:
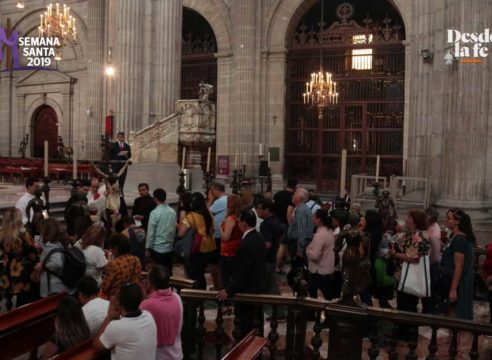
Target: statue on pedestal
205	90
386	206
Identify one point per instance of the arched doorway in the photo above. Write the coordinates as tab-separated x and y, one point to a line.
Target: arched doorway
45	125
361	45
198	61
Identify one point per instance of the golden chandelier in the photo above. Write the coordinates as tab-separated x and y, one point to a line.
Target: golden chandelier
321	90
58	23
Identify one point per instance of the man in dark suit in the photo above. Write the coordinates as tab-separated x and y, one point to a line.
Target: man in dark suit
143	205
249	273
120	151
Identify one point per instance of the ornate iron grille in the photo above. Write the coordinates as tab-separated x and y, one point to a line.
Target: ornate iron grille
368	121
198	61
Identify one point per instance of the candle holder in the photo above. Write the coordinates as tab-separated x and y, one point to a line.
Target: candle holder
46	191
269	180
235	184
75	183
208	177
180	190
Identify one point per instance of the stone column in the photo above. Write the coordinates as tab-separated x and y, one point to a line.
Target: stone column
95	86
166	70
128	62
466	111
276	99
225	131
448	116
244	50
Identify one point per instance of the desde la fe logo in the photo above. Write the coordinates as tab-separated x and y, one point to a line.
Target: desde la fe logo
470	45
37	51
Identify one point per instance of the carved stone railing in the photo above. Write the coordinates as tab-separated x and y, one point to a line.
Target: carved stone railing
348	326
157	142
192	125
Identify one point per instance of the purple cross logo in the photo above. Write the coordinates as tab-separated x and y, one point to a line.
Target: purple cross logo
13	43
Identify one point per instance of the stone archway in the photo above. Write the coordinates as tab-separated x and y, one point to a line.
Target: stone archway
45	126
220	25
283	19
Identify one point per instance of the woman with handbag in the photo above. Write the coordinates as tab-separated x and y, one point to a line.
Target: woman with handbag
202	223
457	262
413	249
231	236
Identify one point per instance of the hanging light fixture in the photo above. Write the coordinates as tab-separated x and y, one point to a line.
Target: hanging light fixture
20	4
58	23
321	90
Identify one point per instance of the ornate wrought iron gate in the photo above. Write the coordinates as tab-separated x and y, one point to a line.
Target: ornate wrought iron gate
198	55
367	63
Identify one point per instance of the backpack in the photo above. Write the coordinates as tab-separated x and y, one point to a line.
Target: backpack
73	265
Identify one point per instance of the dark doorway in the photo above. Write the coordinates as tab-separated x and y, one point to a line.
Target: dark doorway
198	55
45	128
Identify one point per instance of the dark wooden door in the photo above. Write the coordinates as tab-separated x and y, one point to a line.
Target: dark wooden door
45	128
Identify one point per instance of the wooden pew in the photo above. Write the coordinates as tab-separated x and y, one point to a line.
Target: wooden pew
248	348
83	351
28	326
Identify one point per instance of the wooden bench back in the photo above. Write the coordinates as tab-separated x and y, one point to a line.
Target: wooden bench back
248	348
83	351
28	326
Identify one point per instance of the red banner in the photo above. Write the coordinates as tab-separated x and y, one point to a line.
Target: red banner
108	126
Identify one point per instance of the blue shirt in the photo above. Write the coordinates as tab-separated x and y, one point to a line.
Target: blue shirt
218	210
161	229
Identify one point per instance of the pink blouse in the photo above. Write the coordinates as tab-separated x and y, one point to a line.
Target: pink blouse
321	257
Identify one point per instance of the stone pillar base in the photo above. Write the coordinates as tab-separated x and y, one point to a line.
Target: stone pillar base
478	210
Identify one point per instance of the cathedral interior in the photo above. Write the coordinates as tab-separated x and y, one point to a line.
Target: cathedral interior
349	97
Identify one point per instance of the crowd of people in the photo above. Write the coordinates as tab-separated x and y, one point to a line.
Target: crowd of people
244	243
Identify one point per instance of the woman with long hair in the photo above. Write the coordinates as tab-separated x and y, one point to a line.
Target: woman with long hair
201	221
70	327
19	255
457	262
231	237
91	245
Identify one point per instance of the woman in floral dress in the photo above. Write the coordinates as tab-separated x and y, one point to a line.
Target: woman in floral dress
19	256
410	248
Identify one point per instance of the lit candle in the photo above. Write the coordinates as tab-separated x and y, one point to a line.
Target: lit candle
377	168
57	9
260	149
307	87
74	171
50	9
235	161
41	24
334	87
183	158
45	159
343	173
208	158
304	97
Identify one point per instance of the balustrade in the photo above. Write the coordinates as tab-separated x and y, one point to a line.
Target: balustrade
341	319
